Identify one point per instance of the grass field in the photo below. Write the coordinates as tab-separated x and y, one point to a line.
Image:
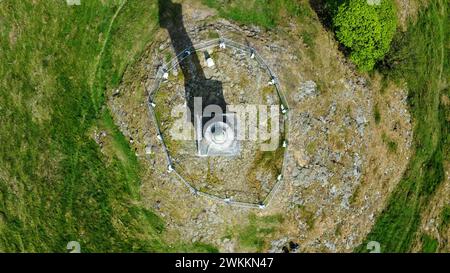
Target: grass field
56	185
421	58
263	13
56	61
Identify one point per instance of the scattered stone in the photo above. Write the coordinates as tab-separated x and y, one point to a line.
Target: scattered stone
277	246
148	150
307	89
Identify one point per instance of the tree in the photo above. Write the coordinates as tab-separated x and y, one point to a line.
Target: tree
366	30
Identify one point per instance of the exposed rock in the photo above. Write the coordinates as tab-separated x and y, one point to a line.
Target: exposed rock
277	245
307	89
148	150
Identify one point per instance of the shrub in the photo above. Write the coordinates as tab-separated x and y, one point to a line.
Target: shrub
377	114
366	30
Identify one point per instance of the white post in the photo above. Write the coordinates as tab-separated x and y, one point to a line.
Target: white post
210	62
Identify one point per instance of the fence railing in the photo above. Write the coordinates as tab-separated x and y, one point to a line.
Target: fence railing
174	62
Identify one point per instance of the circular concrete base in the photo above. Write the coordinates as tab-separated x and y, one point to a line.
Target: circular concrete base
219	136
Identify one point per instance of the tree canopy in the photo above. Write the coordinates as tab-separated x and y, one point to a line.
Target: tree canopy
366	30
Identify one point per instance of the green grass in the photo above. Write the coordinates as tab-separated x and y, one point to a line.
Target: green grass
196	247
377	114
429	244
254	235
391	144
307	216
264	13
56	186
56	62
420	57
268	161
445	217
308	39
